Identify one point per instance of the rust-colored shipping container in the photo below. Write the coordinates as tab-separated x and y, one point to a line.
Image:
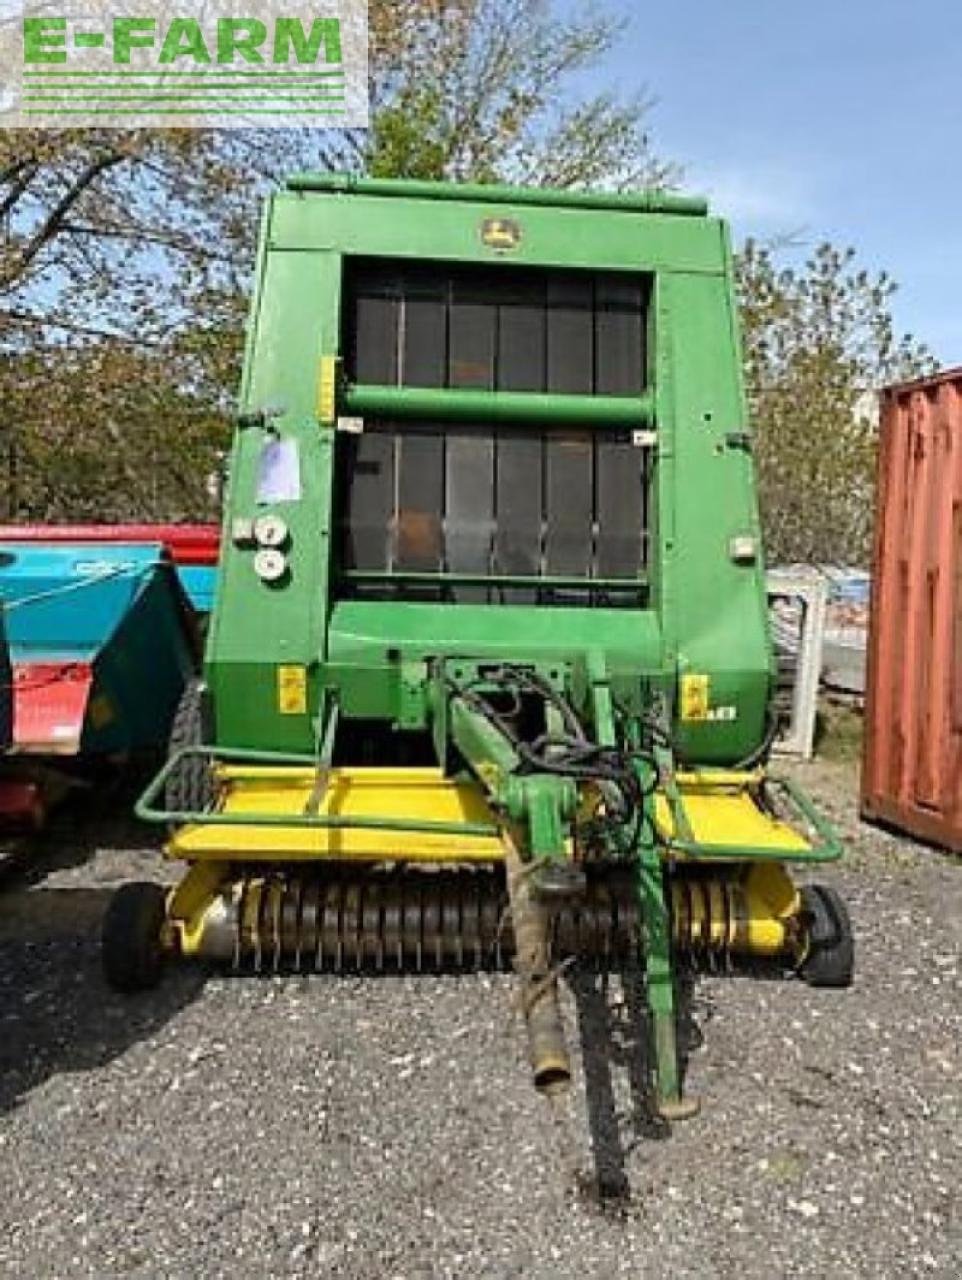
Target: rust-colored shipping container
912	760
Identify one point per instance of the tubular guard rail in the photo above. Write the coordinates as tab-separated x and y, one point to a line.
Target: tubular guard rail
828	848
145	810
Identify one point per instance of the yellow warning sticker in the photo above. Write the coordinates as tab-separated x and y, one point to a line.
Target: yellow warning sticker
327	390
694	697
292	690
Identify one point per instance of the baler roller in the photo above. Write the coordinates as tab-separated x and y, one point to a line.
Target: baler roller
438	919
400	920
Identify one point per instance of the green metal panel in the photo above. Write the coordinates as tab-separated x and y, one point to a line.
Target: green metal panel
716	612
255	627
381	226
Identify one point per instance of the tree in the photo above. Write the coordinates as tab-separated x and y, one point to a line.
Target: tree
820	341
105	453
126	256
124	266
485	91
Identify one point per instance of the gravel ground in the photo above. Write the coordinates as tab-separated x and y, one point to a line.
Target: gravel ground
386	1127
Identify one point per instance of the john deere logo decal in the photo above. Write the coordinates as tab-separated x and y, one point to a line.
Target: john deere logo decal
500	233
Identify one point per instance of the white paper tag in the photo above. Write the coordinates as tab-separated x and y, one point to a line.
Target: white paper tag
279	472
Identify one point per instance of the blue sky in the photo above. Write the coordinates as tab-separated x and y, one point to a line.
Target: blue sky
840	121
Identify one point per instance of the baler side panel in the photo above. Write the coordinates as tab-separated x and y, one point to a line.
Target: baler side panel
715	608
259	627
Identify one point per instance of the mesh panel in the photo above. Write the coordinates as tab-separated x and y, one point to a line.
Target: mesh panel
435	325
489	502
493	503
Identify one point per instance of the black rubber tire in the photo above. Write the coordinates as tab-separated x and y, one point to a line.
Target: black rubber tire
830	960
130	940
189	788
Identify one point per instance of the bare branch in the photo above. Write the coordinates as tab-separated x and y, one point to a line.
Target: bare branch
55	219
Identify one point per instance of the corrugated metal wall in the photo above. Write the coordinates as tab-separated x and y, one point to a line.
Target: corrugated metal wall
912	761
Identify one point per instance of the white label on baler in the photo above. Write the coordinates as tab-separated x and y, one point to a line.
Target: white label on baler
722	713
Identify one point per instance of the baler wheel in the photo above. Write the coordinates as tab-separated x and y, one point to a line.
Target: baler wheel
831	954
189	788
131	949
